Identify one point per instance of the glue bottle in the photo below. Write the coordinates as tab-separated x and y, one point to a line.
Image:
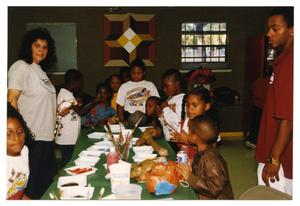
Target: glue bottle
112	157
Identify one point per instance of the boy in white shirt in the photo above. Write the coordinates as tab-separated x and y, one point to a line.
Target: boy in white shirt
172	111
66	136
132	95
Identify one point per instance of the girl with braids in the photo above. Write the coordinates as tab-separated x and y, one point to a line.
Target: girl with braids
114	82
198	103
170	110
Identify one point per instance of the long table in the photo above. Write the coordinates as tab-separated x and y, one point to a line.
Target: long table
98	180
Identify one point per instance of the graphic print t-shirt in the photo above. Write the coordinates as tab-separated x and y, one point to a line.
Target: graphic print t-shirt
133	95
17	174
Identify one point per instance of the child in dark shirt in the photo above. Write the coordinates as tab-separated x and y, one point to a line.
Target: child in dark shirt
208	175
100	113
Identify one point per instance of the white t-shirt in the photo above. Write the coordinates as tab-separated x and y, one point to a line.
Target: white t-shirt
185	126
37	102
71	122
171	117
17	174
133	95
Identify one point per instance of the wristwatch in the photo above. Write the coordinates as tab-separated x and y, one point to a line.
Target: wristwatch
273	161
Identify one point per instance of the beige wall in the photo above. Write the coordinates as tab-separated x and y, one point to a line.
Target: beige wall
242	22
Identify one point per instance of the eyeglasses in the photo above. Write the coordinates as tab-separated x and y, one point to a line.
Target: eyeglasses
15	134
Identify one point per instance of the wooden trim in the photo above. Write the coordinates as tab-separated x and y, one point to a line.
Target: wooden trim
231	134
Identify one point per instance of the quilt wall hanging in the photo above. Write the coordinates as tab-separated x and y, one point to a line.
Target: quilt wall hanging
127	36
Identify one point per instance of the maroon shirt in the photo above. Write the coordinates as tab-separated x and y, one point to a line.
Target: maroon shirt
278	105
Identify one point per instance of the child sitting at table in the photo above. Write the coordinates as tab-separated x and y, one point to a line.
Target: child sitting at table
208	174
171	110
101	113
114	83
18	136
68	126
152	113
132	95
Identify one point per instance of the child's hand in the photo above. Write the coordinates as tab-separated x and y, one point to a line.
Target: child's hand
64	111
163	105
173	107
79	101
184	170
181	137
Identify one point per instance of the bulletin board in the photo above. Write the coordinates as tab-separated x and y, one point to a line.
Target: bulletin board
64	35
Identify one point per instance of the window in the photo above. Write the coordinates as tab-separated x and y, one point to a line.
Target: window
203	42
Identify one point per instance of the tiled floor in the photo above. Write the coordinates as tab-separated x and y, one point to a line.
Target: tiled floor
241	164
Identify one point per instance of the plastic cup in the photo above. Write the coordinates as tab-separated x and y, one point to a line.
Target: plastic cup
119	174
128	192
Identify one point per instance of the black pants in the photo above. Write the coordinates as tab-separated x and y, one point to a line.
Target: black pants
42	167
66	153
255	122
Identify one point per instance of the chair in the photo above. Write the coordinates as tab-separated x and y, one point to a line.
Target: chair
264	193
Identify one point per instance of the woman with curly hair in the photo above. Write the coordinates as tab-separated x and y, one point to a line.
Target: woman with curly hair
31	93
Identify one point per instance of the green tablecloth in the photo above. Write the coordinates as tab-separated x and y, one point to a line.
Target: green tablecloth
98	180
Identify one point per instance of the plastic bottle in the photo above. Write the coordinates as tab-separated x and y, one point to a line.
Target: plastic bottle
112	157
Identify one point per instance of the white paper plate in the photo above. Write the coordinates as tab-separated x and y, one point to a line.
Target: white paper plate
144	128
85	164
104	143
86	161
92	153
82	193
97	135
134	139
115	128
143	149
92	171
80	180
98	148
142	156
110	197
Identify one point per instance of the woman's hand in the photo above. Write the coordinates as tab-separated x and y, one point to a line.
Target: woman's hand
184	170
13	96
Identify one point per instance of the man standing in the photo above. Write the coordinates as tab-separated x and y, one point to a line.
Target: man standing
275	140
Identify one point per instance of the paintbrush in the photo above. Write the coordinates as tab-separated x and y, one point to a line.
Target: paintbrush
128	139
112	137
101	193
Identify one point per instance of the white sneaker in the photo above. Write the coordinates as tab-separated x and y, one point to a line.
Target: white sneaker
250	145
219	138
